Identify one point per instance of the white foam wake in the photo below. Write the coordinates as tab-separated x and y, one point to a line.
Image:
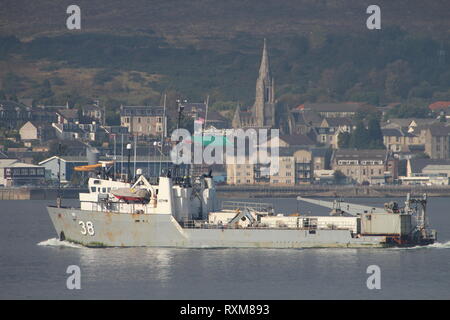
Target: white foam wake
55	242
436	245
445	245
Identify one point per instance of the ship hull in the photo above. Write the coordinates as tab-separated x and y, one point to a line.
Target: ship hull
109	229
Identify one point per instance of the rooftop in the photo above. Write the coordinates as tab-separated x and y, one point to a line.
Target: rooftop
396	132
332	107
338	122
438	105
297	140
417	165
367	154
68	113
143	111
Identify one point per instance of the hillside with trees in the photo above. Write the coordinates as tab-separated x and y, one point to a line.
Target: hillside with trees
314	57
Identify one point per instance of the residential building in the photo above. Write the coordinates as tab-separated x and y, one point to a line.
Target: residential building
242	173
329	130
321	158
16	173
302	121
295	166
65	116
399	139
151	166
411	125
334	110
436	139
79	131
304	172
366	166
144	120
426	172
419	166
13	114
31	131
338	124
94	112
293	140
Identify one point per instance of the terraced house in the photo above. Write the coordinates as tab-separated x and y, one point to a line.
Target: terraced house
399	139
437	141
295	167
143	120
366	166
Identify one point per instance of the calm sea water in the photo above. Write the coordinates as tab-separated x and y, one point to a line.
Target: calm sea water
33	265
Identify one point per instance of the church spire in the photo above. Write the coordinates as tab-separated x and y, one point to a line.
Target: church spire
264	68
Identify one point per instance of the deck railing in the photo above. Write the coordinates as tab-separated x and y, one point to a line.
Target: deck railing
241	205
202	224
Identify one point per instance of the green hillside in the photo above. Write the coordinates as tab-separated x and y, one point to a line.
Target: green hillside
131	52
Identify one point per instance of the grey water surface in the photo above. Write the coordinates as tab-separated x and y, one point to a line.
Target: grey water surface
33	264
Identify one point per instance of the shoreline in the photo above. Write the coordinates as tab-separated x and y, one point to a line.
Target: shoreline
256	191
344	191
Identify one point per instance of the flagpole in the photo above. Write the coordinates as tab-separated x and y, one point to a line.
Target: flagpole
162	134
121	161
115	172
203	128
134	165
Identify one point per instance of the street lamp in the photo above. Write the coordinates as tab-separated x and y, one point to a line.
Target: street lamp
129	155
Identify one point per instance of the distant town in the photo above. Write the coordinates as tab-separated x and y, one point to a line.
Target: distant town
323	143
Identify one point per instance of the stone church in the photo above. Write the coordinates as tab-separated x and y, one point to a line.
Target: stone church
262	113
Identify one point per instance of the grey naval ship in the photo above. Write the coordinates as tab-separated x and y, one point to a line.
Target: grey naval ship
183	212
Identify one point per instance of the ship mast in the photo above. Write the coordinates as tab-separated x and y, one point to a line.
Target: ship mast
162	135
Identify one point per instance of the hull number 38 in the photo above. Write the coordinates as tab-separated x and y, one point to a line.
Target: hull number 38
87	228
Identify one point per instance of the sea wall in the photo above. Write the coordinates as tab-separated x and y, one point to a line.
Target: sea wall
255	191
38	193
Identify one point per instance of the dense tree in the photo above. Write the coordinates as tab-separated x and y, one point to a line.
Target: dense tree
344	140
339	177
410	110
360	137
397	66
374	134
45	91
